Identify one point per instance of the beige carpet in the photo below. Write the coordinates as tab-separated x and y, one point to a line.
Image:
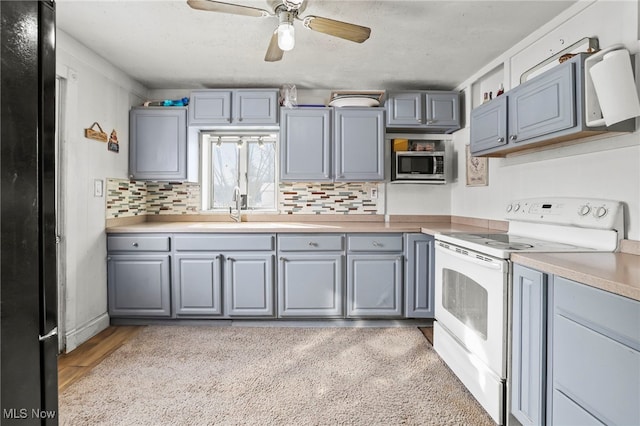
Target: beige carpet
197	375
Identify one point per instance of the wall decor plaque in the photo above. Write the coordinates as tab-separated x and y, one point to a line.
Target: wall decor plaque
477	169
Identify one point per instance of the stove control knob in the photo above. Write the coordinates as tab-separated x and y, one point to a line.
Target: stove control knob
600	212
584	210
516	207
509	208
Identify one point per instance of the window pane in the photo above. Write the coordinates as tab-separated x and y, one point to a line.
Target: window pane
261	171
224	170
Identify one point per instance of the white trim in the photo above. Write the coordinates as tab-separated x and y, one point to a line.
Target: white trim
80	335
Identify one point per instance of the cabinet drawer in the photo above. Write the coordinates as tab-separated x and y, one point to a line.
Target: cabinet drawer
377	242
310	242
225	242
138	243
607	313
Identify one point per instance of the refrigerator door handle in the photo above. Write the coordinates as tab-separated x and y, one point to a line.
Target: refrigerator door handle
49	335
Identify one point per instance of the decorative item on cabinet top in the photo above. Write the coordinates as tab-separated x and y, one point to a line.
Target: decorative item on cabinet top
356	98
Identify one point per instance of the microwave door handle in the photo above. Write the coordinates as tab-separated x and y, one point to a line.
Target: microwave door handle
435	164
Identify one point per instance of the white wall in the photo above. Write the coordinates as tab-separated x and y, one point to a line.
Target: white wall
93	90
604	167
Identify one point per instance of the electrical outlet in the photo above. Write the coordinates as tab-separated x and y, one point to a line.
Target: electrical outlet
373	193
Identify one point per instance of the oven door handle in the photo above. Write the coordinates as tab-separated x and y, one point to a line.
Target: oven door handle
484	261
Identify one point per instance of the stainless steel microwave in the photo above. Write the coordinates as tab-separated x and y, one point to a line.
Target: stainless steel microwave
418	166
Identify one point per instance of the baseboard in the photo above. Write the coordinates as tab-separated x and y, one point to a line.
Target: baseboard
79	335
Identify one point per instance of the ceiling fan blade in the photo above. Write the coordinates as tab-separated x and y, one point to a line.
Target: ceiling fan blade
335	28
274	53
218	6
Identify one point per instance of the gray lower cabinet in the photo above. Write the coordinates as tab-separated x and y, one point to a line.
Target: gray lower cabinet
529	346
248	284
158	143
375	275
197	284
224	275
419	276
310	275
595	356
575	353
138	276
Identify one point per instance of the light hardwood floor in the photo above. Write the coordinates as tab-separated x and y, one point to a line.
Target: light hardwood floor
75	364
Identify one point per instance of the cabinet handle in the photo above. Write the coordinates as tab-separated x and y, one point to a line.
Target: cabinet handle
377	244
108	257
240	119
217	257
513	137
419	121
283	258
231	259
135	244
313	244
500	140
431	121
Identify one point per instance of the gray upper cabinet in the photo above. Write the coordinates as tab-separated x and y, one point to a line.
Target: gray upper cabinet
544	110
305	144
359	144
489	125
326	144
419	276
158	143
433	111
234	107
529	346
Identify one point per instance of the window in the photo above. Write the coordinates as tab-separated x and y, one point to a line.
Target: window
247	162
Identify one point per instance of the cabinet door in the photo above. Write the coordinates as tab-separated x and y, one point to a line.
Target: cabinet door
419	276
138	285
374	285
305	145
197	285
210	107
158	143
405	109
255	107
248	285
543	105
489	125
528	383
443	110
310	285
359	144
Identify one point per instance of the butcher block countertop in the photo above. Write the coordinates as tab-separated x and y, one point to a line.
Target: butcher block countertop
428	224
617	273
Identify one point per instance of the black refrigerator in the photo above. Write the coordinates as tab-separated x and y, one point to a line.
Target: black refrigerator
28	280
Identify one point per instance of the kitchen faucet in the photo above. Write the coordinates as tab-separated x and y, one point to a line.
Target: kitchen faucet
235	213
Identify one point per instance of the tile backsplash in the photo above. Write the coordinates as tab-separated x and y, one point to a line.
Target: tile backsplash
138	198
327	198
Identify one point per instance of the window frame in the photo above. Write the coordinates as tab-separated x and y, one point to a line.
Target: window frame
208	142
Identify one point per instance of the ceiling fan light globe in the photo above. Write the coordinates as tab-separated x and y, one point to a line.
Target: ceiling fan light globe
286	36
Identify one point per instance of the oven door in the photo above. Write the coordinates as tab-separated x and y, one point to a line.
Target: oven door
470	302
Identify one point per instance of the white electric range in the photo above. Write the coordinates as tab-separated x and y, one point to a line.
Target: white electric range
473	283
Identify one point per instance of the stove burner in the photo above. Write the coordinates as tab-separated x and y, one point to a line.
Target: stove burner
508	246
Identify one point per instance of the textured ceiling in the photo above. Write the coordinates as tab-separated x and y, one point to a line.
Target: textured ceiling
413	44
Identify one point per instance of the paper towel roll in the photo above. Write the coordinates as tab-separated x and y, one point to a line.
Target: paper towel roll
615	87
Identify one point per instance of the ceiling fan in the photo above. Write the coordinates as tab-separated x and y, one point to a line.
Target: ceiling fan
283	38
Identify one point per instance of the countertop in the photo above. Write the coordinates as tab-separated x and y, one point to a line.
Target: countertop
294	227
617	273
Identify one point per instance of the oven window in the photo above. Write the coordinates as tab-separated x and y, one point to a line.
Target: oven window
466	300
